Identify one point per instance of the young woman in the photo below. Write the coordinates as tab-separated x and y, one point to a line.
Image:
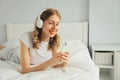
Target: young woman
40	47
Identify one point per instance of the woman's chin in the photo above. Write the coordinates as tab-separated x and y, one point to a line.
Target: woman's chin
52	35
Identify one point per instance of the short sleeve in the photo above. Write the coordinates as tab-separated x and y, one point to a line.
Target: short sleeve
26	38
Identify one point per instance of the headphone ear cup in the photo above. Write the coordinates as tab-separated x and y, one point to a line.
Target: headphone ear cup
39	23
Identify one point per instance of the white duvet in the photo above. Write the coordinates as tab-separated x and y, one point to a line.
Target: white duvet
80	67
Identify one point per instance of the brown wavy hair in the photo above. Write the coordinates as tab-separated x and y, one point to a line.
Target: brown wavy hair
54	42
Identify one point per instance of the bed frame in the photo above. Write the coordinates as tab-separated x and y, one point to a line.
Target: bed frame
67	31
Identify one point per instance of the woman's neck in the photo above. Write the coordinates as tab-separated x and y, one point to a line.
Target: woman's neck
45	38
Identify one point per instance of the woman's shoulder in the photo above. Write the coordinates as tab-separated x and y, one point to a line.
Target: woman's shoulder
27	34
26	38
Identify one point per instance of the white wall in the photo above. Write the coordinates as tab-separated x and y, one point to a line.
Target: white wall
25	11
103	16
104	22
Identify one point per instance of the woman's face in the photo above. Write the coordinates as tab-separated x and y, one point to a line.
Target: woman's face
51	25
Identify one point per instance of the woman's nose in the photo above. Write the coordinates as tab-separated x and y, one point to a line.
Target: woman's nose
54	26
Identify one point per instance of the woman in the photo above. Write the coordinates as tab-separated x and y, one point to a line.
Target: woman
40	47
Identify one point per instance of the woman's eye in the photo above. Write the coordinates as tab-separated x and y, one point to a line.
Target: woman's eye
50	22
57	24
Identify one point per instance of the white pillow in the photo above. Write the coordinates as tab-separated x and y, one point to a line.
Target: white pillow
12	42
11	50
78	51
73	45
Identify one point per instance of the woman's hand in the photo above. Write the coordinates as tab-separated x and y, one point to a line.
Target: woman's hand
64	57
1	47
56	59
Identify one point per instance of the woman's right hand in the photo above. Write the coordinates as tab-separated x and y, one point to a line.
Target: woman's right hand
56	59
59	58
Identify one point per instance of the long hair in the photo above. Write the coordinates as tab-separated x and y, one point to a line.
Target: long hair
54	42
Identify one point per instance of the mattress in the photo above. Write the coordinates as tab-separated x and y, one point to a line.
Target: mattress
80	67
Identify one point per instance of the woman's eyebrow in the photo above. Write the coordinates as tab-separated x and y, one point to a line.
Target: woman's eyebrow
54	21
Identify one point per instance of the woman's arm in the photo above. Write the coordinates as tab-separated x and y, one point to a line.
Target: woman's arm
25	61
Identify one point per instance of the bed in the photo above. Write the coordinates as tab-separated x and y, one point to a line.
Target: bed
74	38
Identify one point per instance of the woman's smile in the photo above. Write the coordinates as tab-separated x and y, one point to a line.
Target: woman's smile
52	31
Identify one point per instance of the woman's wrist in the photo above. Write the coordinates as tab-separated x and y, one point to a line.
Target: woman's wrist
51	63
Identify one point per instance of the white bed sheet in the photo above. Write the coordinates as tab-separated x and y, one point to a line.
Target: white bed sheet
80	67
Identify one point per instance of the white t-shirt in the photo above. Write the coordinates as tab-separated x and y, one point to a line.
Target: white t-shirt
37	56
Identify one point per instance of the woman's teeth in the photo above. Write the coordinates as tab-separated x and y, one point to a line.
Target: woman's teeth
52	32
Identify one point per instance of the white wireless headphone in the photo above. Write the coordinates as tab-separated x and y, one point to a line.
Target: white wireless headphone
39	21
